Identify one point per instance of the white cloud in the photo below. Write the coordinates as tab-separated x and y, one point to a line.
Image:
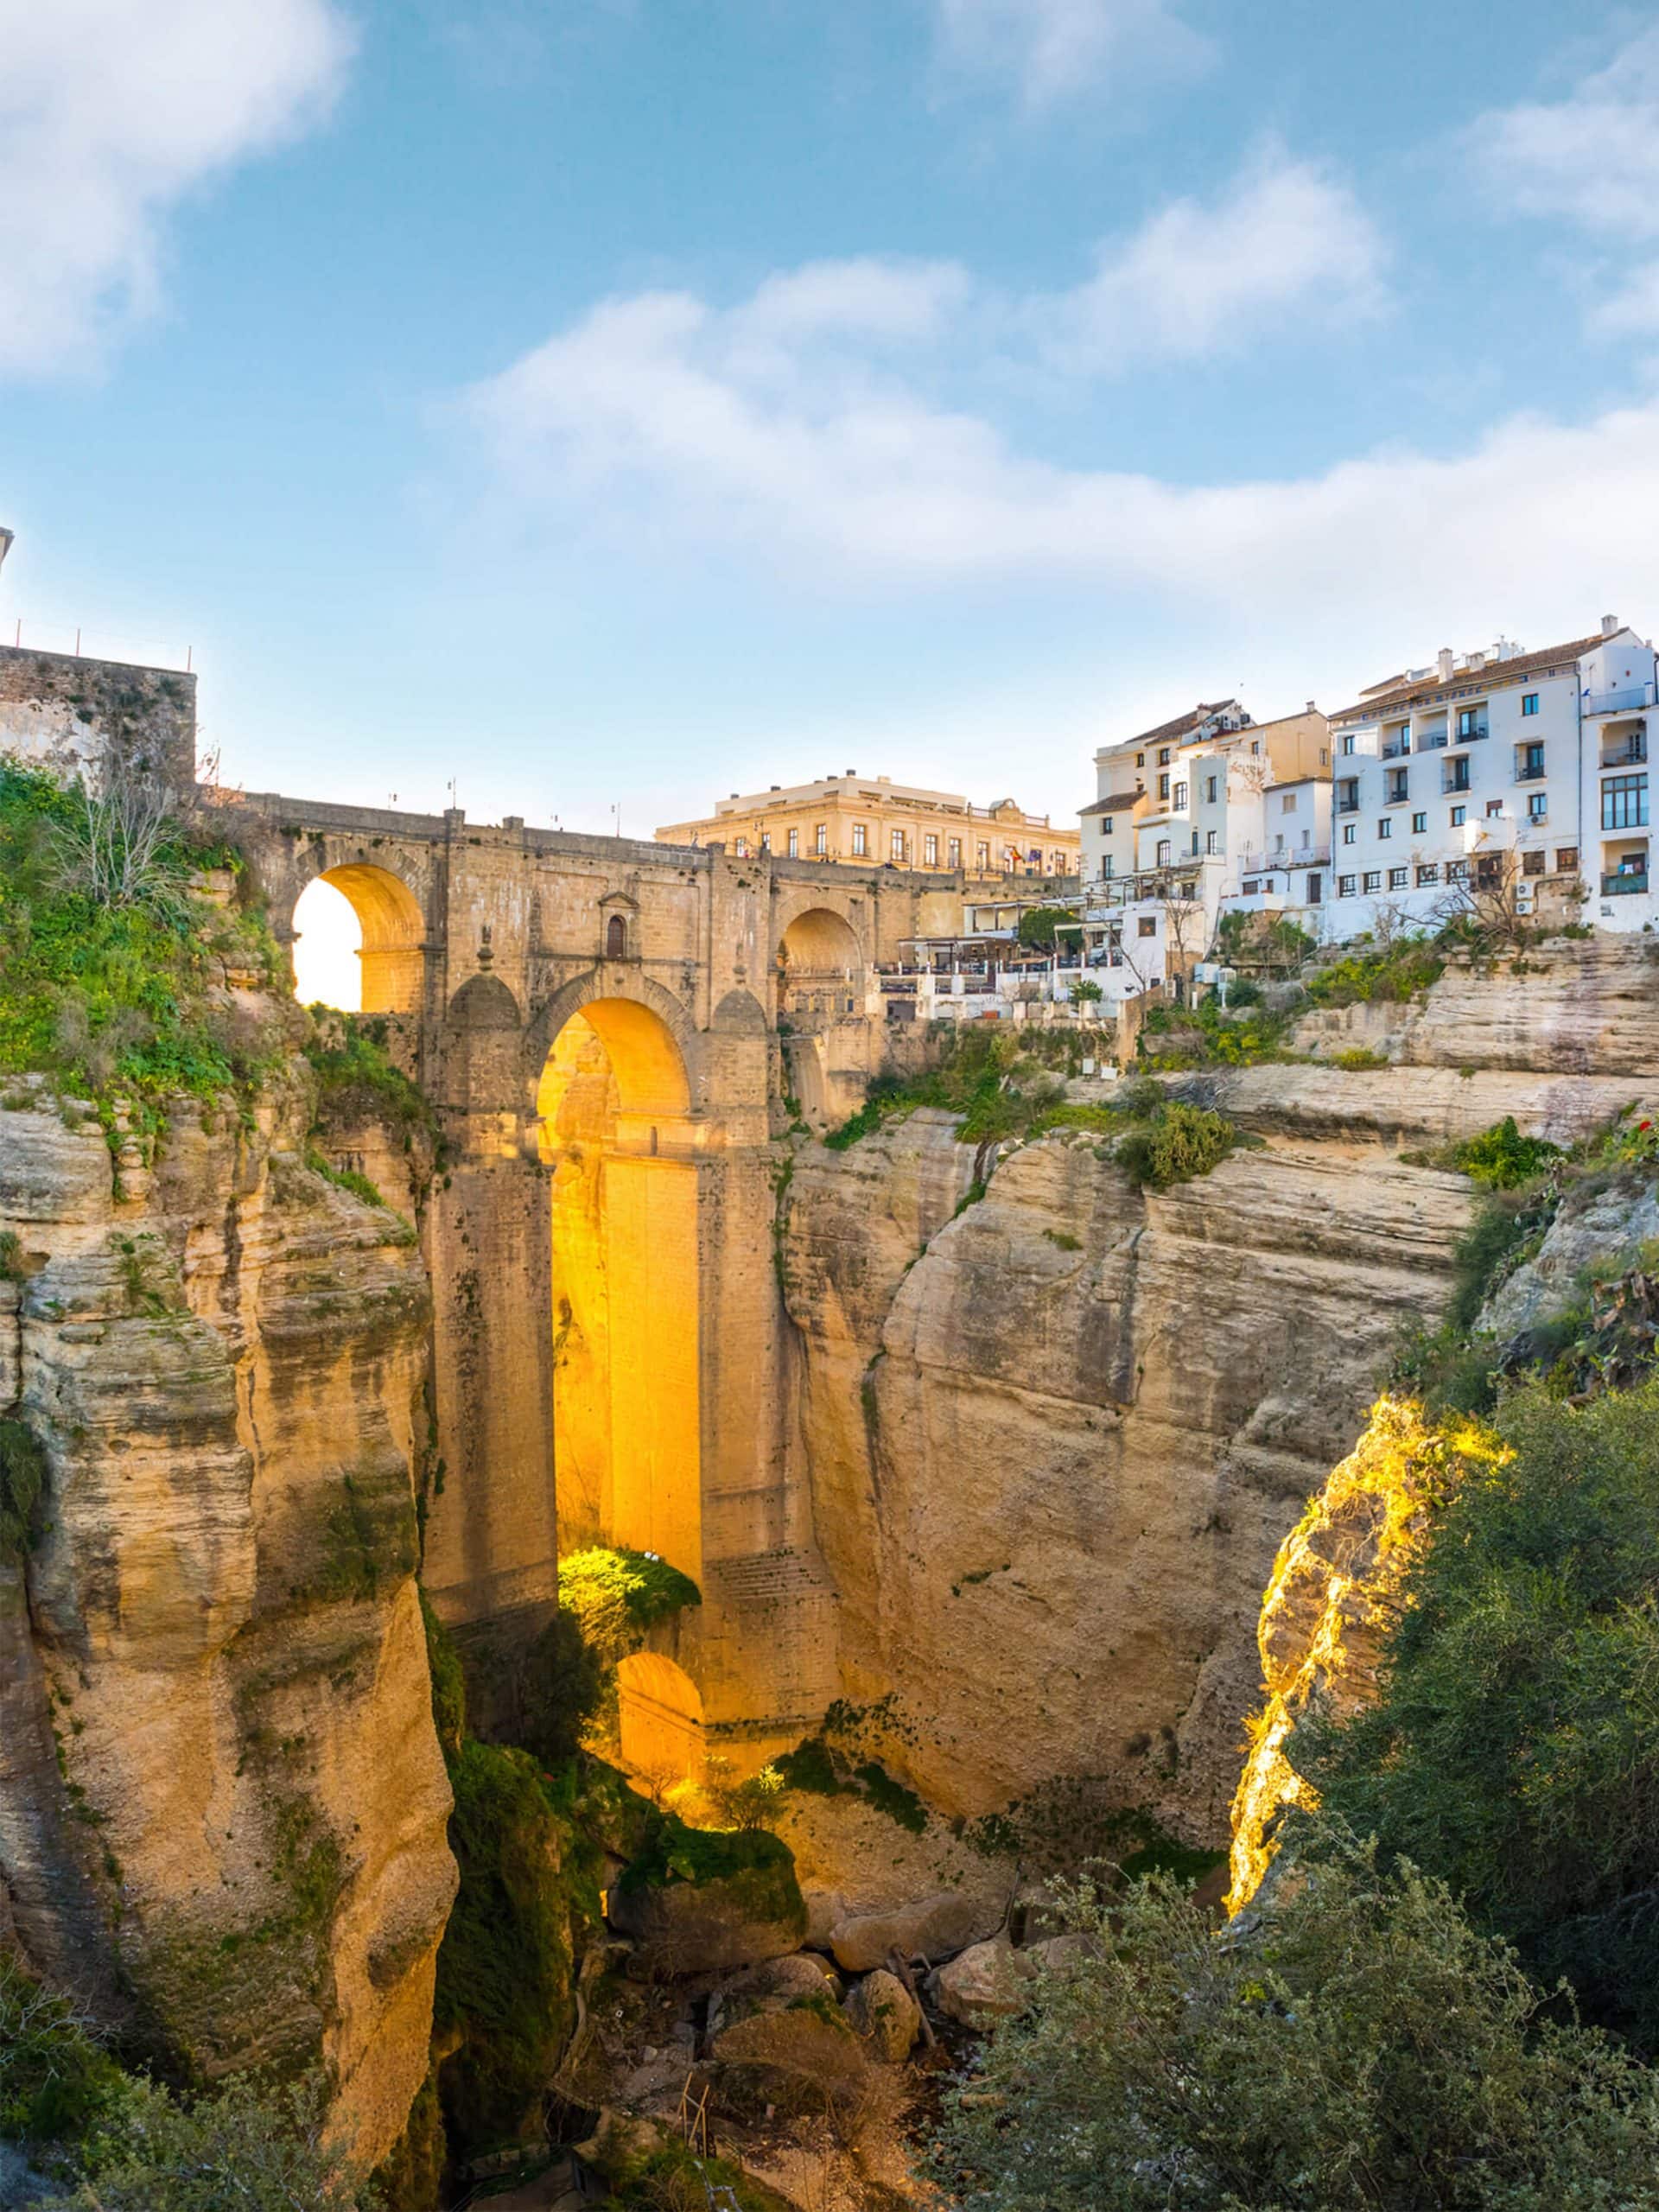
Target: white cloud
1198	279
648	417
109	115
1051	49
1592	160
1593	157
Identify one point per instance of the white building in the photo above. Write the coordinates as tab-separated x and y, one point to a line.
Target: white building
1492	766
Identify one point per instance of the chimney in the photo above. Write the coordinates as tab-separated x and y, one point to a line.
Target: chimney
1445	663
1311	709
1609	625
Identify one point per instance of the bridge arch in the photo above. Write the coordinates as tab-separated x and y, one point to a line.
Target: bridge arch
394	930
613	1106
659	1717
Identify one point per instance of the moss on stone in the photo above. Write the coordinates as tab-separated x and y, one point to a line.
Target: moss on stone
448	1683
616	1596
503	1978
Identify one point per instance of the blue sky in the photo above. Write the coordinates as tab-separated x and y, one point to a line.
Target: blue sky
608	402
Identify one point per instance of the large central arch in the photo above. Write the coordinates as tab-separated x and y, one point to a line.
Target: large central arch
614	1104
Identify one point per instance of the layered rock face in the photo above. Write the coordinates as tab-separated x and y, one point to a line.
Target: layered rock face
1055	1440
222	1804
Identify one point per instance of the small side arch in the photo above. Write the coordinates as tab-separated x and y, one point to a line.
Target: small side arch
482	1035
659	1716
394	930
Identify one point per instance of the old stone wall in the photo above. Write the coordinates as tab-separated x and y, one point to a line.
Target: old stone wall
59	704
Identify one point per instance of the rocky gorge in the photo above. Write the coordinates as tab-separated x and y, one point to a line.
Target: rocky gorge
1055	1425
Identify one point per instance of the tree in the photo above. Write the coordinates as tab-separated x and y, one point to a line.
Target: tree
1354	2044
1484	907
1037	927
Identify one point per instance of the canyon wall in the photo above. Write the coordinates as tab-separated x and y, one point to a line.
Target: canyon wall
1056	1438
222	1804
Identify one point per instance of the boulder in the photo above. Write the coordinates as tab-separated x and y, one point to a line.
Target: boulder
931	1928
696	1901
1060	1954
801	1974
824	1908
811	2038
885	2014
989	1981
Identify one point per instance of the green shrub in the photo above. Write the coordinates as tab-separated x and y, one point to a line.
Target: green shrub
1181	1142
11	1256
1037	926
1394	973
757	1867
358	1079
901	1805
1357	1058
616	1597
811	1767
1358	2046
119	1000
1501	1158
1513	1749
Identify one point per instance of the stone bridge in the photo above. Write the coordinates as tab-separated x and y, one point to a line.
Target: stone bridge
608	1030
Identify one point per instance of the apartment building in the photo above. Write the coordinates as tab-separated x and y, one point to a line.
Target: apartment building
872	822
1497	767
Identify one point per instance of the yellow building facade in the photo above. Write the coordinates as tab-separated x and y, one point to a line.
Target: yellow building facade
870	820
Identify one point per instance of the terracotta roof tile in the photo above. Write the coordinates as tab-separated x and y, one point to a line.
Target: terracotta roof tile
1426	689
1116	804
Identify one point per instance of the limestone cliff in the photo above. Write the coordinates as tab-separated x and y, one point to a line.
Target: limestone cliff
222	1804
1055	1440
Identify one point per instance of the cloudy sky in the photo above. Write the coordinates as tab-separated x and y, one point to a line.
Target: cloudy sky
616	403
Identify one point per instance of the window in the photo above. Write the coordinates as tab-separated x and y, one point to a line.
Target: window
1350	832
896	844
1255	746
1454	777
1345	887
765	841
1373	879
792	843
1166	853
1459	815
1179	799
1398	786
616	937
931	850
1325	762
1163	756
1529	702
1348	745
1397	879
1108	868
1428	873
1210	789
1469	722
1288	803
821	839
1402	737
1211	841
982	853
742	848
1140	760
1195	841
1494	808
1566	859
1624	802
954	851
1529	759
1420	825
1146	926
1385	826
1163	786
1532	863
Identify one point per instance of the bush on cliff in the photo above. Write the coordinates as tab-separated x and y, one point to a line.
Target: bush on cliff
1359	2045
1514	1746
120	997
110	2141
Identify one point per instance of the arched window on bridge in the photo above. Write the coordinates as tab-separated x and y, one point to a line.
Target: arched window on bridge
616	937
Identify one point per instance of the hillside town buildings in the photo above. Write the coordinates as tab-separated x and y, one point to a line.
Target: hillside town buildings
870	820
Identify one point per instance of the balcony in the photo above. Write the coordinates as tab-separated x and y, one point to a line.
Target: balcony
1281	860
1452	785
1631	752
1396	747
1527	773
1430	741
1624	883
1619	703
1349	806
1473	735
